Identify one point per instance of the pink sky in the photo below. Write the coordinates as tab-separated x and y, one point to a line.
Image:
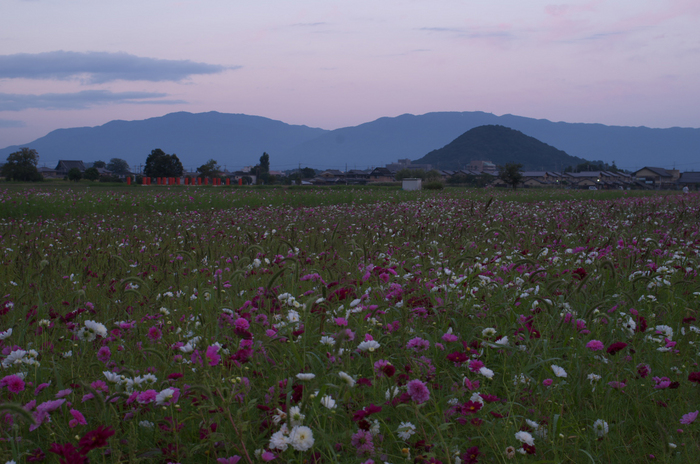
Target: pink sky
332	64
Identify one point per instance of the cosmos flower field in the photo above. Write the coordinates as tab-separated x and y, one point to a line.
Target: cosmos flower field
366	326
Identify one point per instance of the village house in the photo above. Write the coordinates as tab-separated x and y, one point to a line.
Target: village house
381	175
66	165
657	177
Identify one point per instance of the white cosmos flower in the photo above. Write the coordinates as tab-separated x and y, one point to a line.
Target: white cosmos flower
164	396
488	332
525	437
301	438
280	440
96	328
558	371
112	377
306	376
346	377
293	316
600	427
5	334
486	372
326	340
295	415
369	345
15	357
405	430
328	402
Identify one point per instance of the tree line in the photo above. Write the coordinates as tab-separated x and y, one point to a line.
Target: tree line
22	166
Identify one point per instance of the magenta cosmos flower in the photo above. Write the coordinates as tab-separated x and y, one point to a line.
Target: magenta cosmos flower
689	418
595	345
418	391
14	383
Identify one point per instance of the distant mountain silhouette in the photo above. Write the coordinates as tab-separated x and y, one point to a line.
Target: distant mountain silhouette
236	140
231	139
499	145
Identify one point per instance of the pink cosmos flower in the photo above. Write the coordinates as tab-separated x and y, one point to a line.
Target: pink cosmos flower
689	418
267	456
64	393
418	344
213	356
475	365
418	391
103	354
13	382
40	387
148	396
241	324
547	382
595	345
231	460
154	333
78	418
450	337
362	441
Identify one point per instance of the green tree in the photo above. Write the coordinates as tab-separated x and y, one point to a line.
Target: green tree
99	164
264	168
510	174
209	169
92	173
160	164
118	166
21	165
75	175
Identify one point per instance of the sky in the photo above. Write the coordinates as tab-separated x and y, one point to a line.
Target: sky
332	63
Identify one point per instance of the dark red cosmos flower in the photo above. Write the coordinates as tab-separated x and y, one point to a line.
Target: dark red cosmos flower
389	370
580	273
641	324
68	453
615	347
36	455
694	377
470	407
457	357
175	376
95	439
529	449
471	456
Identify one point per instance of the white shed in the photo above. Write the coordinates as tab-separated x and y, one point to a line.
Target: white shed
411	184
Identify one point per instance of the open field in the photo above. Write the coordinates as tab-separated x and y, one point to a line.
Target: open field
349	325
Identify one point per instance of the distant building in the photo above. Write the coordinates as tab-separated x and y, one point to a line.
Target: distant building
408	164
66	165
481	166
690	180
381	175
657	177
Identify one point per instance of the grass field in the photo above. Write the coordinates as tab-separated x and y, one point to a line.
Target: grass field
349	325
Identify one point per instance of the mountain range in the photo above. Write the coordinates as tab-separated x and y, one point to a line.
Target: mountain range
237	140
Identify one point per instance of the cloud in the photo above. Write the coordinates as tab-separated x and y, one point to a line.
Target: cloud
471	33
79	100
10	123
100	67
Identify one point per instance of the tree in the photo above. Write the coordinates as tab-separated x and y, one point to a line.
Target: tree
21	165
510	174
75	175
209	169
118	166
264	171
92	173
99	164
160	164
